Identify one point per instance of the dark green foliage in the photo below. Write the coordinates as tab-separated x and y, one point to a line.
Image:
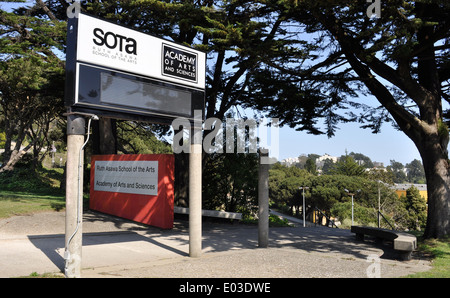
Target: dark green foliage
416	207
31	81
139	138
347	166
327	192
230	182
24	179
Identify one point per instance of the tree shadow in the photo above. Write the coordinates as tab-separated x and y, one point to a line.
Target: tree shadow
310	239
216	237
52	245
329	240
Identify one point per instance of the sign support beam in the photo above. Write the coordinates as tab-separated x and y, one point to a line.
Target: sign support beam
74	188
195	190
263	200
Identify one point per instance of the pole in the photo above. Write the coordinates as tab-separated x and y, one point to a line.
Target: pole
379	206
74	189
263	200
304	207
352	209
304	218
195	190
351	194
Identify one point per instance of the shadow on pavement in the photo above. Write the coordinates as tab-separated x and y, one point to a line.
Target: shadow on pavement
217	237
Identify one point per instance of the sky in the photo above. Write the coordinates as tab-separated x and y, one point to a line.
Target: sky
389	144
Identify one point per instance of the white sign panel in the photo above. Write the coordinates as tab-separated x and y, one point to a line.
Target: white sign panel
134	177
113	46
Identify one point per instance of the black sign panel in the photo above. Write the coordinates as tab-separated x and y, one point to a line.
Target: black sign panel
122	95
179	63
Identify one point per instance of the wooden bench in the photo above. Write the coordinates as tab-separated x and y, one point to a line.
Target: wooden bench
403	243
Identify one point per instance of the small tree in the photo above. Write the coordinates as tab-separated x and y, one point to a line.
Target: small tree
310	166
416	208
416	173
347	166
397	170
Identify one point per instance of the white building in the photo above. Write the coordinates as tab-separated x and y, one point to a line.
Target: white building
290	161
326	156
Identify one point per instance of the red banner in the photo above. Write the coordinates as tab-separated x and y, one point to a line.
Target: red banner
138	187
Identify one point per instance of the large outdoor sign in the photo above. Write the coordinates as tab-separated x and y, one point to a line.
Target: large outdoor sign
123	73
136	186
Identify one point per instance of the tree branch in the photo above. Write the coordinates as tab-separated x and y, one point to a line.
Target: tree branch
44	7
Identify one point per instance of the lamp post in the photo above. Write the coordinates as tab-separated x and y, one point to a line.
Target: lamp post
352	194
379	209
303	188
379	202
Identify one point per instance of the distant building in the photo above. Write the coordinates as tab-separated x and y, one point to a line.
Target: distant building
321	160
290	161
400	189
378	164
360	162
326	156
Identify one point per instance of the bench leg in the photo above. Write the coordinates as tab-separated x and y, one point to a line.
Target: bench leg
359	236
404	255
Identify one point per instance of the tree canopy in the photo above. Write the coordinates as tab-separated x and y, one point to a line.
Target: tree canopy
334	55
31	77
328	193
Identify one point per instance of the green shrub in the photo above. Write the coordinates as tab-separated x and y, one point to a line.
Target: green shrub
26	179
361	215
276	221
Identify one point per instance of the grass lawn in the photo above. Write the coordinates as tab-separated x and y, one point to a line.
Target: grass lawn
20	203
439	251
26	191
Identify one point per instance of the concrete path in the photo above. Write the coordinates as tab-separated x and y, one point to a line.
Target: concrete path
114	247
291	219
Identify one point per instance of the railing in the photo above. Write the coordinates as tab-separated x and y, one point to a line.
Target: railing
328	219
379	222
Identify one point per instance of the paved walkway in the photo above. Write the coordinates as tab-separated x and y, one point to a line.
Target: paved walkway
115	247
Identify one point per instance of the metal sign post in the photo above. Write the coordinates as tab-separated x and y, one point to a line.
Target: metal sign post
263	200
195	191
74	189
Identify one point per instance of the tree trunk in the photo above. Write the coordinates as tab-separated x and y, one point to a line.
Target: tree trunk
104	136
11	157
437	173
14	158
434	135
181	183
